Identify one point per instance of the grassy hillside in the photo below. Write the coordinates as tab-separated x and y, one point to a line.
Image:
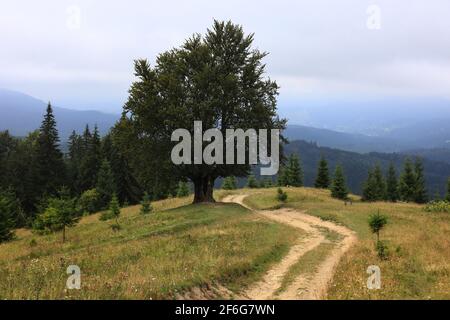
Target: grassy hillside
418	266
157	256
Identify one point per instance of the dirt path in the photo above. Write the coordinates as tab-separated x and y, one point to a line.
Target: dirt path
303	287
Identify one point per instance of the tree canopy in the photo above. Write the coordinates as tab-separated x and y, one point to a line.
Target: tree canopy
218	79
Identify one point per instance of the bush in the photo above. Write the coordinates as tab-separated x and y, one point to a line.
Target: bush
146	206
376	223
437	206
183	189
382	250
89	202
281	195
229	183
8	211
59	214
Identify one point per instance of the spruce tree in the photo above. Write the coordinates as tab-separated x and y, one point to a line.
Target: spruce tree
106	186
183	189
229	183
421	194
7	219
251	182
392	184
49	159
407	185
323	177
283	178
294	172
338	187
380	190
447	197
114	209
59	214
370	187
146	206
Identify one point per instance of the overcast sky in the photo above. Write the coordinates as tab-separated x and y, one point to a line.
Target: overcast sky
318	49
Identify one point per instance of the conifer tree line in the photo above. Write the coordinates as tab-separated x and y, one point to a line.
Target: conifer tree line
408	187
43	188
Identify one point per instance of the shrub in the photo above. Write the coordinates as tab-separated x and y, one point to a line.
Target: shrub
229	183
146	206
251	182
437	206
8	210
281	195
376	223
382	250
183	189
59	214
89	202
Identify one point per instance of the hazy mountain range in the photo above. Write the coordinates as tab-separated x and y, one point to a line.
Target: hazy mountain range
21	113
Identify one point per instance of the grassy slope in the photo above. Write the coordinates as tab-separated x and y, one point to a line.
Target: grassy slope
419	243
154	256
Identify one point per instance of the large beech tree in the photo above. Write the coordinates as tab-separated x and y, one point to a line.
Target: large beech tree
218	79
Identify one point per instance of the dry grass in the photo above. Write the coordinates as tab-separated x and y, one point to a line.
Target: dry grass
152	257
419	245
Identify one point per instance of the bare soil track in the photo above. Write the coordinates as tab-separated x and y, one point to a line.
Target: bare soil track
310	286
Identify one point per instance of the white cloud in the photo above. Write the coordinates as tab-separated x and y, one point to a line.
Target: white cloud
316	47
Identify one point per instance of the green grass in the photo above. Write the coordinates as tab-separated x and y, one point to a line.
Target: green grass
155	256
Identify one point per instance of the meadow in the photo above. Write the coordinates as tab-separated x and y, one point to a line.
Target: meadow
162	255
418	263
180	247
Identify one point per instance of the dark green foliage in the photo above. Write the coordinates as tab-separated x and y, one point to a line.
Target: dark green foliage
114	208
291	174
106	186
8	215
50	173
294	171
146	206
375	187
89	202
323	176
281	195
183	189
282	179
338	187
60	213
113	211
392	184
229	183
218	79
447	197
251	182
382	250
265	183
127	187
376	223
421	194
407	185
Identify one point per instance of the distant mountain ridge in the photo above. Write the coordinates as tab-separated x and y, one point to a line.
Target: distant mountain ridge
21	114
356	165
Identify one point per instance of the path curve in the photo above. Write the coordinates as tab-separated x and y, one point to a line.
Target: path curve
311	287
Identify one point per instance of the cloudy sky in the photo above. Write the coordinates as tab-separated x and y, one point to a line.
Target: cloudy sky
79	54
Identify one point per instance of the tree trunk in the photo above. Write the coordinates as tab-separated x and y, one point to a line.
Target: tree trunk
203	189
